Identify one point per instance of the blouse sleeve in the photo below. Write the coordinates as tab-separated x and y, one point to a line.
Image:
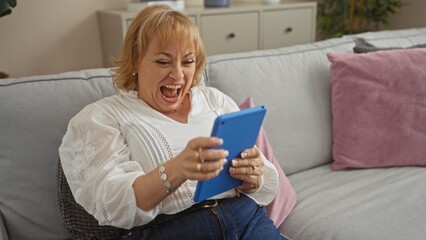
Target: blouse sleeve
267	191
97	165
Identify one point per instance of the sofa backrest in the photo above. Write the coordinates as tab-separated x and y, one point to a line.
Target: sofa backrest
294	84
34	114
404	38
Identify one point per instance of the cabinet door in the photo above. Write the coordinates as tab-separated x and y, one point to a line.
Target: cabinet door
193	18
287	27
230	33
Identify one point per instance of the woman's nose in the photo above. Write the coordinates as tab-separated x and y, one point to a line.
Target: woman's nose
176	72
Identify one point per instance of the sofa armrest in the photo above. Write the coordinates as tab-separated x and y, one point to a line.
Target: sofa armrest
3	231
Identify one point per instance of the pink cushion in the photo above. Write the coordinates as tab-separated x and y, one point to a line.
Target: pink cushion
379	108
285	200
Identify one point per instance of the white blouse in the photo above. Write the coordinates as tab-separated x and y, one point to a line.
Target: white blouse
116	139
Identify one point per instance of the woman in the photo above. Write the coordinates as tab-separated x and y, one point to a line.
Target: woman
133	160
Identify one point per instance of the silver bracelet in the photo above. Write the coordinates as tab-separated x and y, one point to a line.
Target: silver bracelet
164	181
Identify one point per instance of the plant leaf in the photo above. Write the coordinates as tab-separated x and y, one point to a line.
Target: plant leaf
12	3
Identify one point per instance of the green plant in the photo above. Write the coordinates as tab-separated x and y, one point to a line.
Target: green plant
6	7
339	17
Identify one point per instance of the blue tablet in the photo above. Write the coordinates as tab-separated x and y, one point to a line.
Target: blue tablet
239	131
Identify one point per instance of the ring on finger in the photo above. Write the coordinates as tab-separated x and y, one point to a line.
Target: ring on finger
199	165
254	167
198	155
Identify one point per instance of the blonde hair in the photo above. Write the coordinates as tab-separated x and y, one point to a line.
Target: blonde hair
159	21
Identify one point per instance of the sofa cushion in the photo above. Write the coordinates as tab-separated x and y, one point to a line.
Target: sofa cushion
35	112
286	197
378	107
362	46
377	203
293	83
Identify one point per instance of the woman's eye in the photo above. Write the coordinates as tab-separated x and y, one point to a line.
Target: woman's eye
188	62
162	62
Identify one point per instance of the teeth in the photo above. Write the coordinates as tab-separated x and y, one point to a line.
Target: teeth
173	86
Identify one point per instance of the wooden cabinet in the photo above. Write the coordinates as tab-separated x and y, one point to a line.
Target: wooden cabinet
229	33
285	27
238	28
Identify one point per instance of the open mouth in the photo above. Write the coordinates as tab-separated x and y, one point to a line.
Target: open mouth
171	92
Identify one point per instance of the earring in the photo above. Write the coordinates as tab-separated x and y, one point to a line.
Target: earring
134	73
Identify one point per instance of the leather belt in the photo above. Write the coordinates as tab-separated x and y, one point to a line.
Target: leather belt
207	204
162	218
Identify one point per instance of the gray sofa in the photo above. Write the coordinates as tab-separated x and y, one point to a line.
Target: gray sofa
293	82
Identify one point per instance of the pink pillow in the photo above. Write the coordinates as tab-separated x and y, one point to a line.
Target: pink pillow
286	199
379	108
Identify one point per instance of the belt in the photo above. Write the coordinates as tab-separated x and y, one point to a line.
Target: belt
205	204
162	218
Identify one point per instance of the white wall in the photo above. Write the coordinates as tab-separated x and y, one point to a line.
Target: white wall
53	36
410	16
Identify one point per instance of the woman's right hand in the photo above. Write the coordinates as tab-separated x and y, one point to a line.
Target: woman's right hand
198	162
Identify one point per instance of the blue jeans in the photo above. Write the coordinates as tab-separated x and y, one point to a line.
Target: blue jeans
233	218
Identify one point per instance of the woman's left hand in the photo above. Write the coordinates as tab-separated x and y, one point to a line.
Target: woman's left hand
249	169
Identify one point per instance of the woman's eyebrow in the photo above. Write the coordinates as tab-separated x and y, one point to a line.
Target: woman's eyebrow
167	54
170	55
188	54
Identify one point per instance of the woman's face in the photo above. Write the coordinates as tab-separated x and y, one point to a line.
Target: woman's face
165	76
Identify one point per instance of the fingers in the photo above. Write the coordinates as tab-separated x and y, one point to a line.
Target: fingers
213	154
250	163
204	142
211	160
256	171
250	153
202	151
207	169
248	168
202	162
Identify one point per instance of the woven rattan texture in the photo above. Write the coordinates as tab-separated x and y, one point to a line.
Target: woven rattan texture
79	223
